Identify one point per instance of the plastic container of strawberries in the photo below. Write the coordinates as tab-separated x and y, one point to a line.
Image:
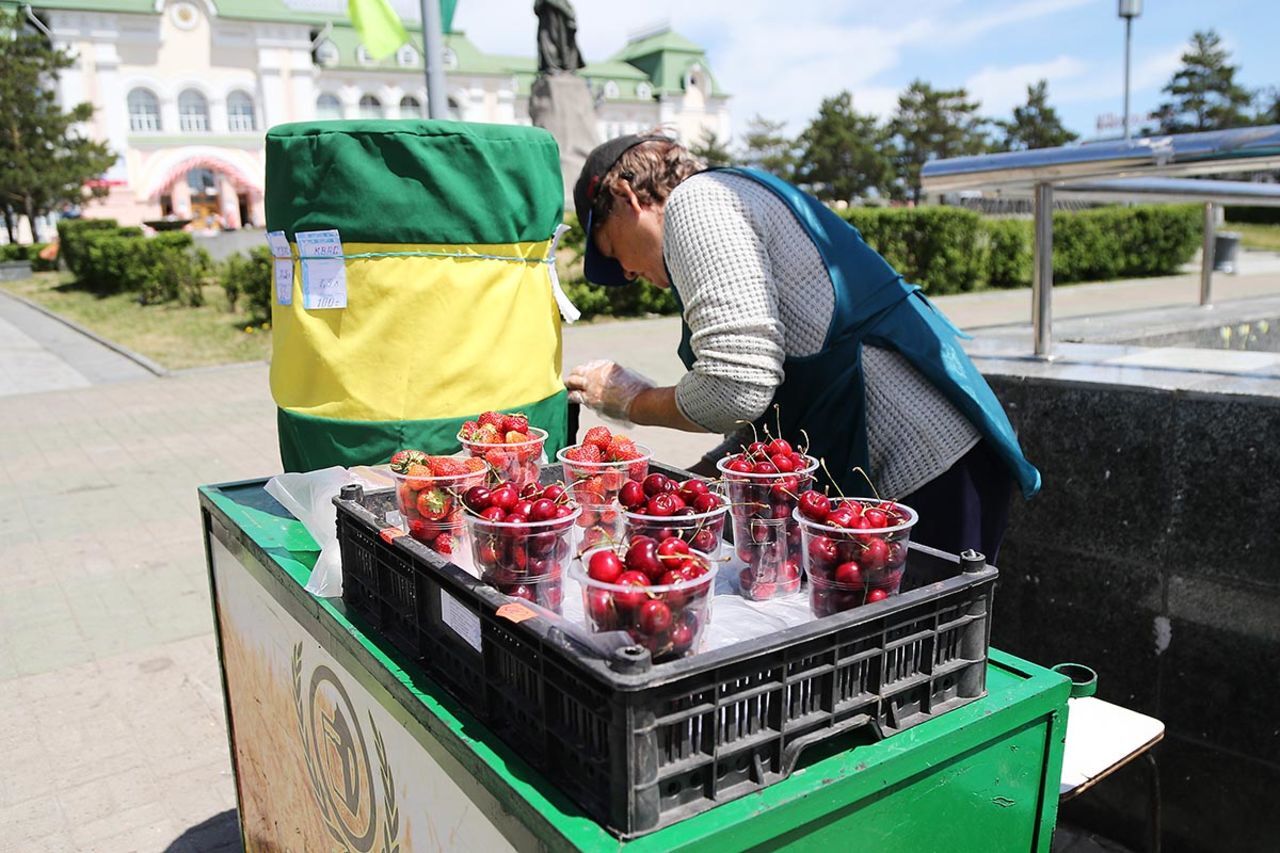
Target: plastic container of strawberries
640	745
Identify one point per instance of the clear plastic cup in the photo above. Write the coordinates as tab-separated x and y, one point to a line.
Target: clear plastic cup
431	508
668	619
524	559
850	567
595	487
518	463
765	534
704	531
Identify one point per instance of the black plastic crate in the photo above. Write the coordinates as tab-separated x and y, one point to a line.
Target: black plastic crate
640	745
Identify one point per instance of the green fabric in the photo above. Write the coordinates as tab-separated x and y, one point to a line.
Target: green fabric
378	25
414	181
308	442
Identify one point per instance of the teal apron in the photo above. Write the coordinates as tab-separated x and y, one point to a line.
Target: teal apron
823	394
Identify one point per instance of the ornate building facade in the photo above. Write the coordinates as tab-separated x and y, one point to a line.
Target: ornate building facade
184	90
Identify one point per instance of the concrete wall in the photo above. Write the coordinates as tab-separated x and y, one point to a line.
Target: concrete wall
1153	555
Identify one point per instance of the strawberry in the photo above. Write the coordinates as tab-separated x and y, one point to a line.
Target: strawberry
599	436
402	459
468	427
620	449
473	465
487	434
417	470
584	453
434	504
447	466
497	459
443	544
515	423
494	418
515	437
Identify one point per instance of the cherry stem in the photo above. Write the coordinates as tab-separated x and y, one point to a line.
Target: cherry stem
777	413
823	463
807	442
858	469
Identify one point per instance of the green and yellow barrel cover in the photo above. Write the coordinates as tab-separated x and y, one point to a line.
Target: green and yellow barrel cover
446	228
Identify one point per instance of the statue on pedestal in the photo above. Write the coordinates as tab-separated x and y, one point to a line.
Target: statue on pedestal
557	37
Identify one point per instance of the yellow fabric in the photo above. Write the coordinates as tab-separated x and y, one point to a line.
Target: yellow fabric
422	337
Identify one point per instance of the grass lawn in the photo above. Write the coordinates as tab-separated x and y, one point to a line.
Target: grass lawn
1253	236
171	335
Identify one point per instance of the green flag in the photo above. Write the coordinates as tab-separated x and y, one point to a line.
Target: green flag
378	25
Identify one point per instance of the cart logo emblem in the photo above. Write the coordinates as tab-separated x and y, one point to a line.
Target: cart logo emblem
337	757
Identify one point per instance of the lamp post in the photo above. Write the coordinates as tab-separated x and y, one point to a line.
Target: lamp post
433	50
1128	9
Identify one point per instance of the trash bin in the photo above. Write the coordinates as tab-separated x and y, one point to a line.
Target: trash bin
1226	245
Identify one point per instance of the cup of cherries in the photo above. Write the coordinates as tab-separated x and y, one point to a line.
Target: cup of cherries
658	592
429	493
763	484
661	507
855	549
522	538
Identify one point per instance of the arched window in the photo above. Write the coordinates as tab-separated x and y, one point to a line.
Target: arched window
240	112
407	55
327	53
370	107
410	107
328	107
144	110
455	110
449	59
644	91
363	56
610	89
193	111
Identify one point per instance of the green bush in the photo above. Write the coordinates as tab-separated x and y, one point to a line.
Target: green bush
940	248
163	268
1108	243
28	252
72	234
1008	252
250	277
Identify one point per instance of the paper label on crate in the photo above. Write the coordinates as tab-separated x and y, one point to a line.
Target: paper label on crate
284	280
517	613
279	244
324	273
463	622
390	534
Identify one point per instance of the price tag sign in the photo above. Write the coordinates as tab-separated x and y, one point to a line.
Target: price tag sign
324	273
515	612
279	244
282	267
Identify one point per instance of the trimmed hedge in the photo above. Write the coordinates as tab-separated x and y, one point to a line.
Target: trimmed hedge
943	249
249	276
109	259
28	252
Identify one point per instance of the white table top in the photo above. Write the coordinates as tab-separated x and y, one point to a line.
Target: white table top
1102	738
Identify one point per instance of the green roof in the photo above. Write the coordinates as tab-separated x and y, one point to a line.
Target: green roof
665	57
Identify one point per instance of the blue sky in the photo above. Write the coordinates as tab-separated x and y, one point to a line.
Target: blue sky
781	59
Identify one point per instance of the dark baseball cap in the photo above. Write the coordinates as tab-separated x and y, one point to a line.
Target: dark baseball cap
597	268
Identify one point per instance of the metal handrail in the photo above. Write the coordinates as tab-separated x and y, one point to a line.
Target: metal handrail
1090	171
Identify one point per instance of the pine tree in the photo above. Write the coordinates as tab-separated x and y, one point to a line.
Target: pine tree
932	124
711	149
767	148
45	159
842	152
1203	93
1035	124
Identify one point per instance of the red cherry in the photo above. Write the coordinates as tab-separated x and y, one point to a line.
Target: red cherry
655	617
600	606
656	484
682	637
757	450
706	502
529	489
876	595
823	550
690	490
841	516
563	510
493	513
740	466
814	505
633	598
524	507
477	498
876	554
691	568
675	597
876	518
662	505
704	540
849	574
632	494
785	489
542	509
764	468
780	447
673	547
782	462
504	497
604	566
642	556
554	492
522	591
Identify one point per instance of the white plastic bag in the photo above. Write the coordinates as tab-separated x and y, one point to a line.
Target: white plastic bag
309	497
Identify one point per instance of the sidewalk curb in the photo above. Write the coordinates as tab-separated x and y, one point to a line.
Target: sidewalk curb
137	358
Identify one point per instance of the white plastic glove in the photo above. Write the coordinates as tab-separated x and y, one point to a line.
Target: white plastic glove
607	387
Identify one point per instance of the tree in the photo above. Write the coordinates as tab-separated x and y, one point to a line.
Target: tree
1203	93
767	148
45	159
1269	107
711	149
842	152
933	123
1035	124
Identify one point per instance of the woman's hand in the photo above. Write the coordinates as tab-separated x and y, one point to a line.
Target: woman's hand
607	387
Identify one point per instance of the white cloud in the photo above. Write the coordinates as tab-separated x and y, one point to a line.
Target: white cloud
1000	89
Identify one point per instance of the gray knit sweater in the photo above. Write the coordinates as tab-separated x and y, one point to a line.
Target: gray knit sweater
755	291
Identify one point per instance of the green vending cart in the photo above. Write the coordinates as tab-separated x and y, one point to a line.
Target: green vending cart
338	741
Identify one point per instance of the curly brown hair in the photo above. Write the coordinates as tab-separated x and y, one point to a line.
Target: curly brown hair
653	169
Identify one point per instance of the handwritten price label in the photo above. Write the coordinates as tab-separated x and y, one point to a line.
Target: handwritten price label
515	612
324	272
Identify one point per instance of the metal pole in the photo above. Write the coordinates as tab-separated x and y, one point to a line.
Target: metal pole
433	48
1206	264
1042	272
1128	31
